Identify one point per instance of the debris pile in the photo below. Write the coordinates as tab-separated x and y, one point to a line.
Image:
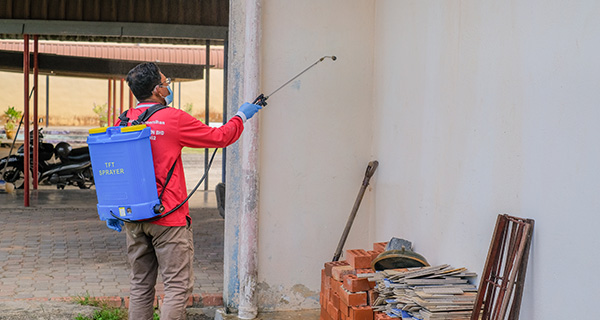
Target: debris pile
429	293
394	282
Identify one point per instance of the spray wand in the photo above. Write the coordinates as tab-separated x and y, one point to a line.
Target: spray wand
261	100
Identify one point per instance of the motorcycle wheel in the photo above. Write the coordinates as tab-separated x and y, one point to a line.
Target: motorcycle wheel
88	179
14	176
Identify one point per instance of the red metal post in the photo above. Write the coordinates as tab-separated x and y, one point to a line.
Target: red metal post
35	113
26	163
114	119
130	99
108	117
122	98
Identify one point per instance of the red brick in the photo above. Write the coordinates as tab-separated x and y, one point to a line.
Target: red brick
334	312
190	301
325	314
61	299
114	302
365	270
361	271
361	313
383	316
325	282
379	246
331	264
353	298
324	277
211	299
358	258
344	309
372	296
373	254
335	285
326	296
323	299
338	272
335	299
354	284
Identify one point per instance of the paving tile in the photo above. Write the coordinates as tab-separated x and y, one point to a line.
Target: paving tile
47	253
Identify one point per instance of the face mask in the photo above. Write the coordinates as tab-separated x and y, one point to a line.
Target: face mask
169	98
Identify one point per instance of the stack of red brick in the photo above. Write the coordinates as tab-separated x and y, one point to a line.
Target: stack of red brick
344	296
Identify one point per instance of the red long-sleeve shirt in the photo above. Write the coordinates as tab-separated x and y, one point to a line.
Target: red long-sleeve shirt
173	129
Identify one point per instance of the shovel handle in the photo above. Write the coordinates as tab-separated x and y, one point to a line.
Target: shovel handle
371	167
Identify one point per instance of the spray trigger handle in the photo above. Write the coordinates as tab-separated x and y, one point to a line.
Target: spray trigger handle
261	100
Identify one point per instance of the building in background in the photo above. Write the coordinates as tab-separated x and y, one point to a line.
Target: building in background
72	96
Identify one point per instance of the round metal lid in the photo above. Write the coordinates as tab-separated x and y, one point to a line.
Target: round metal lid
396	259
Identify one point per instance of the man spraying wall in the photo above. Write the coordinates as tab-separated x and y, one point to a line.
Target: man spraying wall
166	245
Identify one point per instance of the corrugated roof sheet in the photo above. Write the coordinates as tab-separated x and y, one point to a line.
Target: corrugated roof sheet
136	52
183	12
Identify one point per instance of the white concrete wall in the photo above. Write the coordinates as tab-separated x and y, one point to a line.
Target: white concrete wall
486	107
473	108
315	142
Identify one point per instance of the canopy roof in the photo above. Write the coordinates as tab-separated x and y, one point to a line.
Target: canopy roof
191	22
103	60
134	21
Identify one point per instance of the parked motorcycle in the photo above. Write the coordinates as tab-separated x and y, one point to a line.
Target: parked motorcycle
61	165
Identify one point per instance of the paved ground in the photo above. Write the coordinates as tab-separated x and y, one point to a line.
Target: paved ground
59	248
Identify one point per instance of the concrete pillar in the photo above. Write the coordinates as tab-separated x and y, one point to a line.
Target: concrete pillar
241	203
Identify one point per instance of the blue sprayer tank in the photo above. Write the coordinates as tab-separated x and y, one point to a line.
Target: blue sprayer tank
124	172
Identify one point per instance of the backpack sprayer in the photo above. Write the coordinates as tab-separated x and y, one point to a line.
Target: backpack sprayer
124	169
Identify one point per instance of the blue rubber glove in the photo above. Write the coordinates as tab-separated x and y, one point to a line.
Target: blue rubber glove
114	224
247	110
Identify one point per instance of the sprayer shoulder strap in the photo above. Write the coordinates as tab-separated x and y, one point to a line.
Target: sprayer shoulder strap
169	174
143	117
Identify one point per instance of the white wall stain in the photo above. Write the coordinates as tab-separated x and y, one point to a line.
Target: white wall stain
296	297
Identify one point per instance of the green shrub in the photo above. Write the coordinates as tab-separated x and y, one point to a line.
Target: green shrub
102	111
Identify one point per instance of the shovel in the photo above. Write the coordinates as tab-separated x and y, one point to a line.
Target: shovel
368	174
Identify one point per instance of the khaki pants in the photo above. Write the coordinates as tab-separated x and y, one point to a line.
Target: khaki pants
152	248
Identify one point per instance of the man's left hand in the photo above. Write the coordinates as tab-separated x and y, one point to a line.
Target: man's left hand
114	224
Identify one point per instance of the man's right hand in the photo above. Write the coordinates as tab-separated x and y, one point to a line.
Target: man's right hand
248	109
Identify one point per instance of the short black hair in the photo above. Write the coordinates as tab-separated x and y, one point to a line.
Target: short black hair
142	79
